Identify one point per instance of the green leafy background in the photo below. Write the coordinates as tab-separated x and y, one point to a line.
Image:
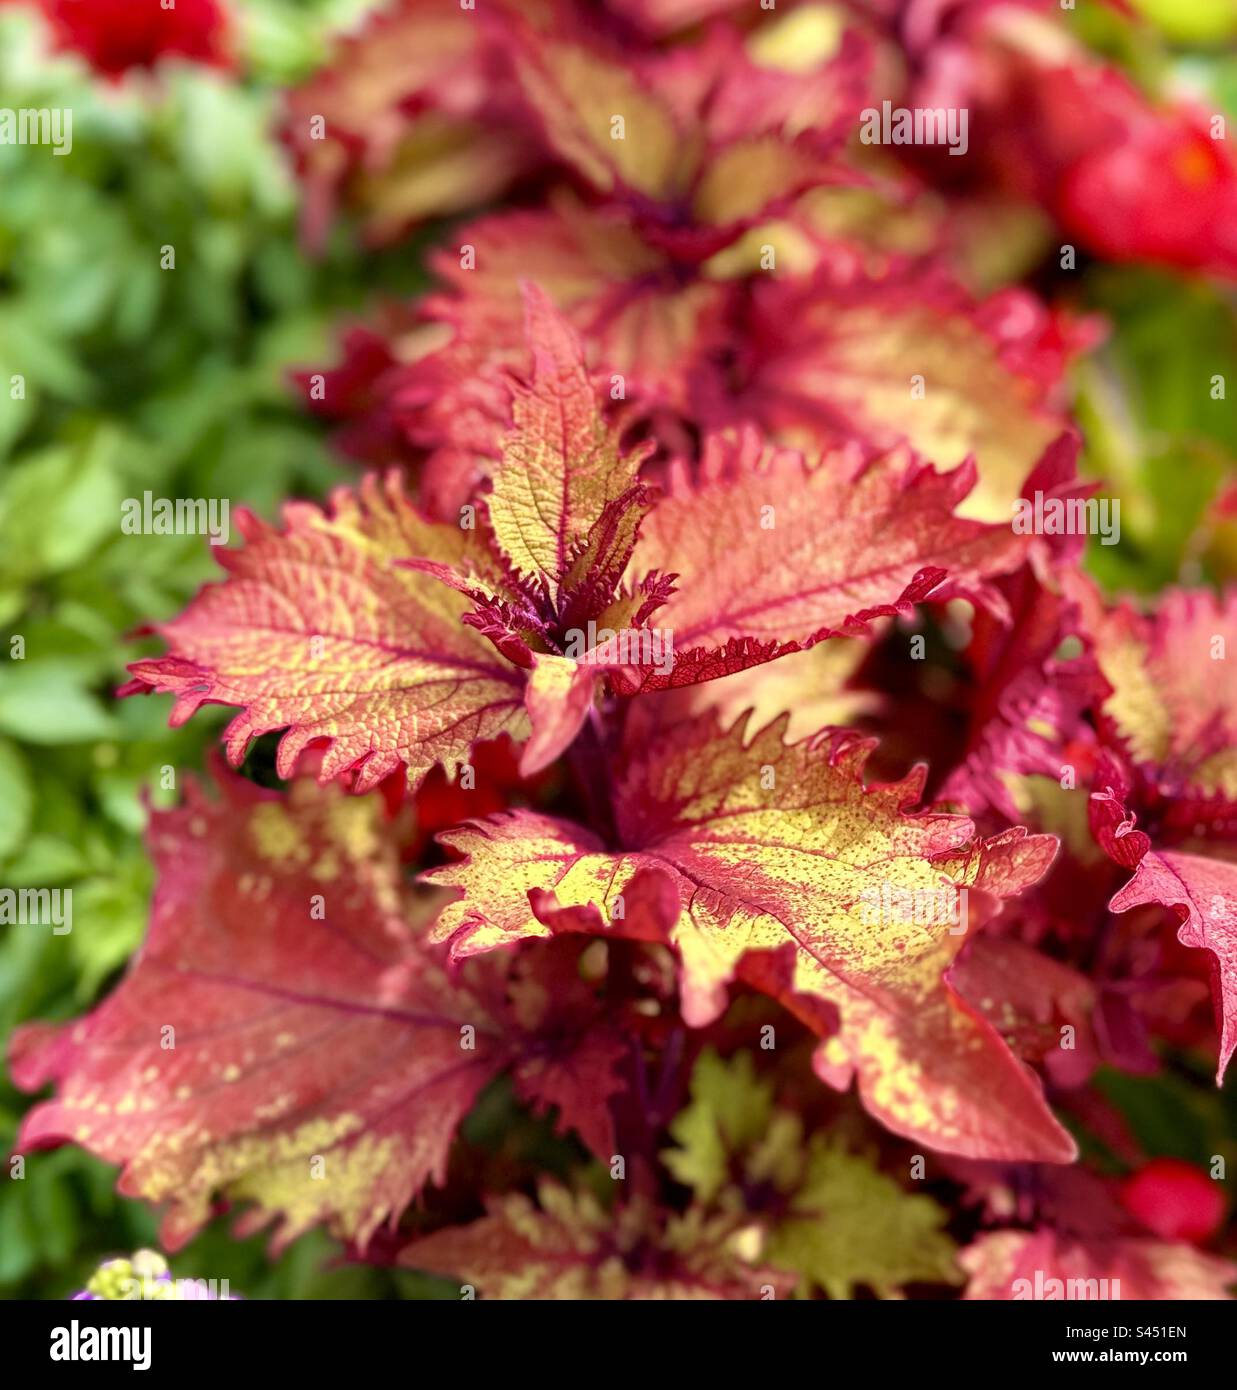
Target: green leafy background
137	378
177	381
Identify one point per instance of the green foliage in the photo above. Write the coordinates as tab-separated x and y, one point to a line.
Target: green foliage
1156	432
116	377
833	1217
730	1110
851	1225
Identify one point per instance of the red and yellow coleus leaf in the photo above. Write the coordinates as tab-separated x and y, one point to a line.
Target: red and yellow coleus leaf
565	505
355	627
1169	778
284	1037
562	519
1202	893
644	324
603	118
1024	705
636	311
566	1245
1046	1264
772	554
559	695
1191	875
431	110
403	641
774	864
434	387
1171	700
813	688
1029	997
872	227
319	631
905	358
412	118
698	142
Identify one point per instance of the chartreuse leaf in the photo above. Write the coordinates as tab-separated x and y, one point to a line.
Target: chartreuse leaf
838	1222
852	1226
730	1110
1201	21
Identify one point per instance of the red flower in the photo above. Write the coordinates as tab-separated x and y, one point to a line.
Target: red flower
1174	1199
116	35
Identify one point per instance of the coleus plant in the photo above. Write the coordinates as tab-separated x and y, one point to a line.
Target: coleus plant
569	544
773	935
325	1011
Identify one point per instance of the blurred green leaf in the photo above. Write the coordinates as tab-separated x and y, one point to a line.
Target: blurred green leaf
57	506
16	797
46	702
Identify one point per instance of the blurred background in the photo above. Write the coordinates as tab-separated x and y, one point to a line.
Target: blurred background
139	379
